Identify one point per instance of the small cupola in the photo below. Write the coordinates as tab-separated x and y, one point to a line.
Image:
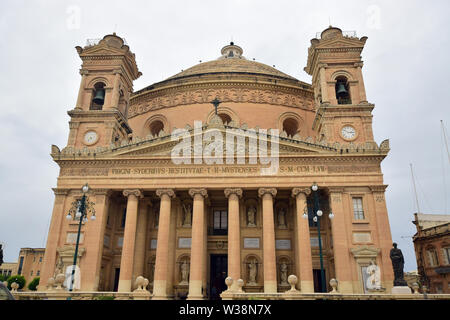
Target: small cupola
232	51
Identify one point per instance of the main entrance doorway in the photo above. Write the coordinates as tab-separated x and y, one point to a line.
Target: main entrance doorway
218	274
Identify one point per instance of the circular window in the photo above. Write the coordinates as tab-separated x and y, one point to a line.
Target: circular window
290	126
156	127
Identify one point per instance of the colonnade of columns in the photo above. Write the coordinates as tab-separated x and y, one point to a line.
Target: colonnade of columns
199	238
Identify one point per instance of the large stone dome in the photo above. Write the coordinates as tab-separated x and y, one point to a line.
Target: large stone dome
232	61
231	65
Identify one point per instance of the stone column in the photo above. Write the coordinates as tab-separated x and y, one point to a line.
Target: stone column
234	237
129	240
303	259
269	259
141	239
79	105
323	84
359	77
93	241
162	249
198	244
384	236
341	249
115	90
58	216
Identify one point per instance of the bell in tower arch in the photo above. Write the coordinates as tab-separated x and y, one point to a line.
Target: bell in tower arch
99	97
341	91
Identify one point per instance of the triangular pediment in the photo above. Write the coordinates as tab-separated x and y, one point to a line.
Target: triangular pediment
340	43
163	146
102	50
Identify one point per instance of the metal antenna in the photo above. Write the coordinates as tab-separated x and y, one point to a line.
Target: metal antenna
415	190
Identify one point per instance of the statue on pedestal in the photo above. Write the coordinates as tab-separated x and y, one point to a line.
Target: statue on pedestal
374	279
251	217
1	254
187	215
252	272
282	219
283	274
184	272
397	264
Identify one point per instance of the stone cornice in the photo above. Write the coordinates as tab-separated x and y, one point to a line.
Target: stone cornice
264	191
326	159
201	192
60	191
335	189
236	191
378	188
298	191
102	192
135	192
168	192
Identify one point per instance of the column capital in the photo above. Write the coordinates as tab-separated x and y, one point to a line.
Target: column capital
236	191
136	192
263	191
336	189
60	192
169	192
381	188
297	191
84	72
202	192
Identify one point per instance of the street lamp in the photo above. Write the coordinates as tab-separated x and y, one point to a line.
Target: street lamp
79	210
317	214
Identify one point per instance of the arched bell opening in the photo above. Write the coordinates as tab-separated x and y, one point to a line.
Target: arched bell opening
343	91
98	99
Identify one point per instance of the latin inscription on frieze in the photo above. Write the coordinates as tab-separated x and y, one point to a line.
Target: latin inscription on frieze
219	170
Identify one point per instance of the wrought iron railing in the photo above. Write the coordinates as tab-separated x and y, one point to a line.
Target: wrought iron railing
348	34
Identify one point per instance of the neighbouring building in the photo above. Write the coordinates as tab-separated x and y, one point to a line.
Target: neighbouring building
169	208
432	247
29	264
8	269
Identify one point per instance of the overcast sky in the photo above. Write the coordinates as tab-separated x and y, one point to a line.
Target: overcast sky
406	76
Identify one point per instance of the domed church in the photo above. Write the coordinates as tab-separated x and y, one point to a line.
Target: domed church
228	169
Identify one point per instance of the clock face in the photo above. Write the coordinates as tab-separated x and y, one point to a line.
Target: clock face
90	137
348	133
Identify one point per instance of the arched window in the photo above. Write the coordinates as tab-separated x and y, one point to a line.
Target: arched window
225	118
99	96
156	127
290	125
342	91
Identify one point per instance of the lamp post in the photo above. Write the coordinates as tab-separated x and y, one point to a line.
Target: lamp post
79	211
317	215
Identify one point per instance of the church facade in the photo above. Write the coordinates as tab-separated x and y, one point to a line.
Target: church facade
230	168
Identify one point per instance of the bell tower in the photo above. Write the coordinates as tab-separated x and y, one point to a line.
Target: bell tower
108	71
342	112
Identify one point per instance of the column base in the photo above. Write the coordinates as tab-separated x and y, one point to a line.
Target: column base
159	290
270	287
195	290
124	286
307	286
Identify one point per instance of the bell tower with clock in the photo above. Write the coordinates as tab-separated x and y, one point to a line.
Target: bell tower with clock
343	114
108	71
